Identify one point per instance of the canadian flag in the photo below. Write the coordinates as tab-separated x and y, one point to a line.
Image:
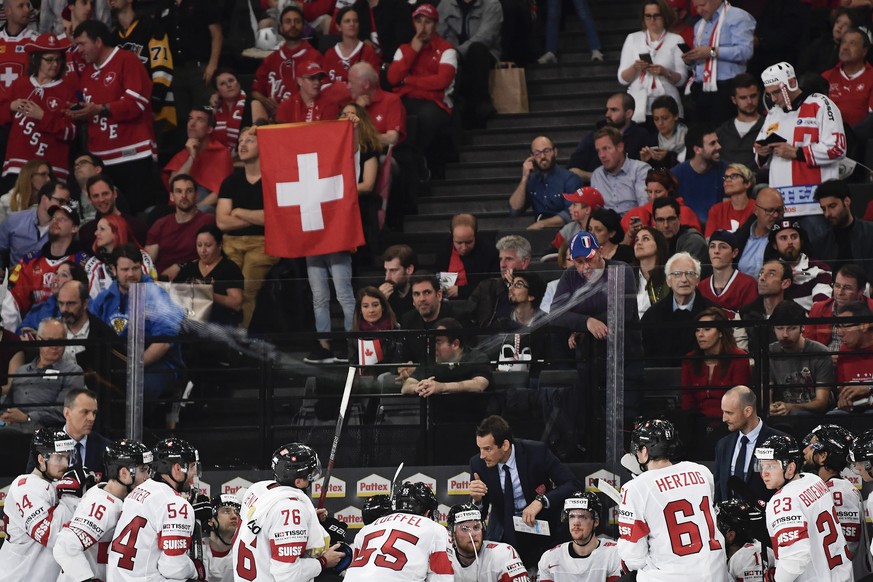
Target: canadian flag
369	352
310	189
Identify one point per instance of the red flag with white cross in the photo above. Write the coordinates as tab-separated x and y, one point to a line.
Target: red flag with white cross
310	189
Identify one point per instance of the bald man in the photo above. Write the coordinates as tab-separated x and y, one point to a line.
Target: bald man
752	237
735	453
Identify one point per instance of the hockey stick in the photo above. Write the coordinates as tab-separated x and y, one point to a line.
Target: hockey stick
394	483
608	490
742	488
344	403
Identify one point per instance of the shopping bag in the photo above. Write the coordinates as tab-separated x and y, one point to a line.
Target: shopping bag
508	88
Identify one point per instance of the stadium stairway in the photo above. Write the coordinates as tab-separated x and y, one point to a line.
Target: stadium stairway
566	99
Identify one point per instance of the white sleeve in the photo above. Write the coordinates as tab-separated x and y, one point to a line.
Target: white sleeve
10	313
831	145
288	559
174	541
69	553
678	64
439	565
543	569
633	543
510	567
43	521
789	530
628	56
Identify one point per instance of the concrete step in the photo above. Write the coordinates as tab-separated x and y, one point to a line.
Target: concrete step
544	121
592	71
519	151
569	88
462	189
583	99
570	133
488	221
500	169
478	204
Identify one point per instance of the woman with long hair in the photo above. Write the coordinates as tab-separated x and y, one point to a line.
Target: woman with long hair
229	108
25	192
350	50
112	232
651	252
224	275
605	225
716	362
731	214
659	183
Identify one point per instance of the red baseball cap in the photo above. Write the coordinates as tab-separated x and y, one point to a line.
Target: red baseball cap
428	11
587	195
311	69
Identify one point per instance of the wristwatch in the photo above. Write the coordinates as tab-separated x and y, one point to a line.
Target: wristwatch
712	52
542	499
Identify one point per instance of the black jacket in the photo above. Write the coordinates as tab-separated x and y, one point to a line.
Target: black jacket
480	263
664	343
861	241
722	469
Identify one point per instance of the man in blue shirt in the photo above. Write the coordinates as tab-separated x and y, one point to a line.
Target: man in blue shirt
27	230
161	360
701	176
542	187
723	43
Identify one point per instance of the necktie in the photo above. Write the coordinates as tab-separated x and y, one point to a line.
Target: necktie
80	455
508	508
740	464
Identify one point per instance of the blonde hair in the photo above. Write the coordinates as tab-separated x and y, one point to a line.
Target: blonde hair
23	195
747	174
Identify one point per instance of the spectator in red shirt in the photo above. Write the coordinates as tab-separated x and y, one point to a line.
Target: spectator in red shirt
423	73
660	183
727	287
731	214
172	239
203	158
385	109
229	108
310	103
706	367
850	281
350	50
275	80
851	81
855	361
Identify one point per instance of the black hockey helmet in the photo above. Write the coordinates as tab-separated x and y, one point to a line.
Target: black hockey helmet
741	517
415	498
48	441
862	449
781	448
658	436
376	506
295	461
126	453
464	512
834	440
224	500
582	500
170	451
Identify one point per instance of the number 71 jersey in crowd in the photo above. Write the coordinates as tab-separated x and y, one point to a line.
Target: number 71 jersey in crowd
82	547
401	547
152	537
666	523
805	534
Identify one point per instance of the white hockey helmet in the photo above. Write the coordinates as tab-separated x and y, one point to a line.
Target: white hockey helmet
780	74
267	39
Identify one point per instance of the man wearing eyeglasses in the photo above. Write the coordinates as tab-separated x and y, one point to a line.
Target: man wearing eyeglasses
681	305
542	187
754	235
27	231
855	360
850	282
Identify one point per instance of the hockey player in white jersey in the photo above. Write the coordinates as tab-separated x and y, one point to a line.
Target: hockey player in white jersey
222	528
742	526
475	561
153	537
861	459
826	454
37	506
666	520
585	558
279	537
82	547
406	545
801	519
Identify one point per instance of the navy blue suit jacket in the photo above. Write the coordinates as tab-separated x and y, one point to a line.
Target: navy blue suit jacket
95	447
537	466
724	452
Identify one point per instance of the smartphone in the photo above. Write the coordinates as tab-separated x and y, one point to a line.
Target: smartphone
77	106
646	57
684	47
635	221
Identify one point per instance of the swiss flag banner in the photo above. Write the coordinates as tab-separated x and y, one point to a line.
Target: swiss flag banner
310	189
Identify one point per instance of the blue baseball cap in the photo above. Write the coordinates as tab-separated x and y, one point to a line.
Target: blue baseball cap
582	245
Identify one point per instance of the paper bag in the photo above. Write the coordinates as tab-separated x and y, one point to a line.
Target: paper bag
508	87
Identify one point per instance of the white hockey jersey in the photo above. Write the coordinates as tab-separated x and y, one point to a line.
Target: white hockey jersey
82	548
560	564
850	514
496	562
401	547
806	537
279	536
746	565
219	566
153	536
816	126
34	517
666	524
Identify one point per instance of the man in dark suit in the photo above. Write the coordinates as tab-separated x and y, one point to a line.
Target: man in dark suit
537	479
80	413
739	412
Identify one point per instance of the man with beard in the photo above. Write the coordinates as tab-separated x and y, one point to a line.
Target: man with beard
586	557
849	239
811	279
801	370
826	454
619	114
620	180
542	186
104	196
700	176
84	166
216	549
774	280
475	561
73	301
30	282
737	135
203	158
276	78
172	239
